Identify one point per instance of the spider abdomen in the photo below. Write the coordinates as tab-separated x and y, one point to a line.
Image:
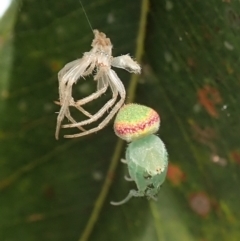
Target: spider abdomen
147	161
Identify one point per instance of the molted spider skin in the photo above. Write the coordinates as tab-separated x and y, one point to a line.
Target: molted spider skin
99	58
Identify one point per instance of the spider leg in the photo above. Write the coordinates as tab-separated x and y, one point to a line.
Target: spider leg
101	89
127	63
72	72
70	118
132	193
101	125
123	161
67	77
104	78
128	179
72	103
86	113
115	84
64	109
154	198
90	69
96	116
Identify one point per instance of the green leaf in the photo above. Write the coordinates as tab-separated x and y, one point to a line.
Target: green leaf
61	190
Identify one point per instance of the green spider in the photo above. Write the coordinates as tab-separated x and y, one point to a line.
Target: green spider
146	155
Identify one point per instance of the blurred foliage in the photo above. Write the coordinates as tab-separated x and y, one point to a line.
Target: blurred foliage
190	76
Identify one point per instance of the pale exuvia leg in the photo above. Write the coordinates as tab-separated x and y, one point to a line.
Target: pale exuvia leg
86	113
91	67
100	126
116	82
102	87
67	101
127	63
67	67
132	193
70	73
70	118
100	113
89	98
62	112
96	116
64	102
62	77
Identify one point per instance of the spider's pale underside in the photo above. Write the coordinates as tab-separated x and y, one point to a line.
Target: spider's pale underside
99	58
